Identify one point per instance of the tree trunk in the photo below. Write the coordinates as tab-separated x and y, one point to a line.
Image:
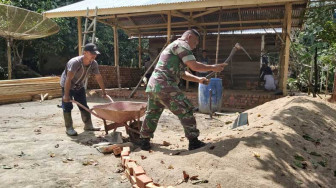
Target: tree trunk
333	96
316	73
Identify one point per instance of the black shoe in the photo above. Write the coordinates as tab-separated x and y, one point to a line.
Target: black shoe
145	144
195	144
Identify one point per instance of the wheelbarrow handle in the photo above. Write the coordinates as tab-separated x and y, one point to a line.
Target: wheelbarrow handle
87	109
110	98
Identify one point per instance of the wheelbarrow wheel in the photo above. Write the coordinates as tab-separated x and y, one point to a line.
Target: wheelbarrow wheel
133	136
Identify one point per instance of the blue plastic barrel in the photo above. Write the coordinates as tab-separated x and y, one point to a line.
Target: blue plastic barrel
204	96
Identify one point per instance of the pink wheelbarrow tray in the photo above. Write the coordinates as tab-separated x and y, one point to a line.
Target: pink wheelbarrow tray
122	113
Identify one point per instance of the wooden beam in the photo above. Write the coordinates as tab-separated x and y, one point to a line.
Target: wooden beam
172	6
183	24
169	27
130	19
116	51
285	63
206	12
159	33
79	33
218	36
120	27
163	18
188	18
132	15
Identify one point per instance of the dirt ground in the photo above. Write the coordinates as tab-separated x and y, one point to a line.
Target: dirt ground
289	142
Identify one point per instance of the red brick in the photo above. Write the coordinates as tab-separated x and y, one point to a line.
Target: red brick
128	175
142	180
153	185
126	149
123	160
130	166
117	151
125	153
138	171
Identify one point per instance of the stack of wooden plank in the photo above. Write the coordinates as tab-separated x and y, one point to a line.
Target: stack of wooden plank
21	90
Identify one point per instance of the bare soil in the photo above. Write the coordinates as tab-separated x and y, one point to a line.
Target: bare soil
289	142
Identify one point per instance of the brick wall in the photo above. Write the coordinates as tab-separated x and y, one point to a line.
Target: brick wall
231	100
129	77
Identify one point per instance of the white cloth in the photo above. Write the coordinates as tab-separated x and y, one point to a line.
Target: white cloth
269	82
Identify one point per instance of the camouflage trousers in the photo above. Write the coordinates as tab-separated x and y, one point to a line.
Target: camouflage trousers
178	104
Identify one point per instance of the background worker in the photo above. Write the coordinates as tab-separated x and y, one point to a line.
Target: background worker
163	90
206	61
267	75
147	65
72	83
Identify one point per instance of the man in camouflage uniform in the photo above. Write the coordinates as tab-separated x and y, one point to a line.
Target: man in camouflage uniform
163	90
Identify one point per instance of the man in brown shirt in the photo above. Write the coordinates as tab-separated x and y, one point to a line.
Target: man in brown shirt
72	83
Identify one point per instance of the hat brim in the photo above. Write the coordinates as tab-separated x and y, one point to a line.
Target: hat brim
95	52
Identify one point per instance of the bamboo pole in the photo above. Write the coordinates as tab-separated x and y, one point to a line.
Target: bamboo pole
116	51
79	32
85	26
285	62
154	62
169	26
189	27
218	37
140	51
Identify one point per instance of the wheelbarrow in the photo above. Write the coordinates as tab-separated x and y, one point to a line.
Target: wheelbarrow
122	113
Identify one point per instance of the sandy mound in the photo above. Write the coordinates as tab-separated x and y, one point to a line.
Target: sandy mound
290	142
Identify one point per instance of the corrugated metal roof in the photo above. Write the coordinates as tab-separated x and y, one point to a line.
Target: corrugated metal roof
148	17
104	4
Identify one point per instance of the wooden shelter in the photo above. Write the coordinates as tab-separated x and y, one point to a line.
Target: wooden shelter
173	17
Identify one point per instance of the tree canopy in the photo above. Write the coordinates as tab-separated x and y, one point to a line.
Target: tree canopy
64	43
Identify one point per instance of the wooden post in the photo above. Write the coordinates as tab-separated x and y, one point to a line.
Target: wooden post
189	27
116	51
326	84
285	59
169	26
80	38
140	51
262	48
218	36
85	26
94	26
333	96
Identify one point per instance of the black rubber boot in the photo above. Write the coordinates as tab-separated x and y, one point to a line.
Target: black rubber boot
195	144
145	144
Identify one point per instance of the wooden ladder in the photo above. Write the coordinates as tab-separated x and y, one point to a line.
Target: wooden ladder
87	30
91	28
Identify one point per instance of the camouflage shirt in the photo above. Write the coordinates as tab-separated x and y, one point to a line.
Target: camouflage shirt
170	67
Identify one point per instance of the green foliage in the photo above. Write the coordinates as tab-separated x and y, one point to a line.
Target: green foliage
319	32
65	44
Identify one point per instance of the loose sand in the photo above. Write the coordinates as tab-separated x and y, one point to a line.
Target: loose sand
290	142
